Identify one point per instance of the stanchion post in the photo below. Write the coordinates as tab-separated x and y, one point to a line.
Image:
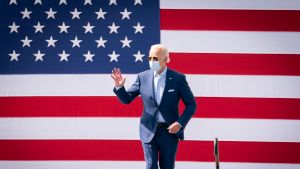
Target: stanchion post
216	153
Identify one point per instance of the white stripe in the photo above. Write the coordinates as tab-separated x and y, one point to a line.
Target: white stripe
245	86
231	4
227	165
127	129
102	85
243	130
231	42
135	165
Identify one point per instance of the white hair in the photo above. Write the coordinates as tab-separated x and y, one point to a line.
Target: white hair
164	51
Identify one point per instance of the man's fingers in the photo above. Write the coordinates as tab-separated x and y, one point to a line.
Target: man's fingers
173	129
117	72
170	128
117	77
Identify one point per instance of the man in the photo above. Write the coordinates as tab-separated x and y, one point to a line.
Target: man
161	89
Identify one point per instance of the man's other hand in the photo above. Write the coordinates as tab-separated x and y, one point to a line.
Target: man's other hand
174	127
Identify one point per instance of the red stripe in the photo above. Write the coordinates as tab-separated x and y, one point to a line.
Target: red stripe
265	152
208	107
249	20
258	108
236	64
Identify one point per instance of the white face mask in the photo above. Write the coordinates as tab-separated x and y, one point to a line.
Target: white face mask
154	65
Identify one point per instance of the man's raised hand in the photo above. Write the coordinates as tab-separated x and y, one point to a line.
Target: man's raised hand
117	76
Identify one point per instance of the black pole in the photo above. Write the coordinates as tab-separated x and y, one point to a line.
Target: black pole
216	153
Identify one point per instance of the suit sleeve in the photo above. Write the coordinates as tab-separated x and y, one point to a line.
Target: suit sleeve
189	102
126	97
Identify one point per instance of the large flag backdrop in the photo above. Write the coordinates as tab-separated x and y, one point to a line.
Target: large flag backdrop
57	108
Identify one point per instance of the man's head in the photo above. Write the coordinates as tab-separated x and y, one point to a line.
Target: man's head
159	54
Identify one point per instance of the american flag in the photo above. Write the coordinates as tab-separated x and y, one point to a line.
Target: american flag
57	108
75	37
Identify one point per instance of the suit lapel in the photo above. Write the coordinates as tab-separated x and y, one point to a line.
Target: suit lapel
168	82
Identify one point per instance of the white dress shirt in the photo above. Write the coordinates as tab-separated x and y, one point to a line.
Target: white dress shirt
159	87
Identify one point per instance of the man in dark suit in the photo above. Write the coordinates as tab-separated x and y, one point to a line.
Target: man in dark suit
160	88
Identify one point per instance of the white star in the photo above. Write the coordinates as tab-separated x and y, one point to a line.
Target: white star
137	2
26	13
87	2
38	2
138	57
114	56
138	28
100	14
88	28
13	2
64	56
51	42
26	42
76	42
113	28
39	56
101	42
63	2
125	14
51	13
112	2
38	27
75	14
14	56
63	28
88	56
126	42
13	27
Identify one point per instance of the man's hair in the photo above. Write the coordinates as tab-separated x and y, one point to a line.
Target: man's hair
164	51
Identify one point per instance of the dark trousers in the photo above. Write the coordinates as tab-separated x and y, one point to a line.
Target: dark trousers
161	149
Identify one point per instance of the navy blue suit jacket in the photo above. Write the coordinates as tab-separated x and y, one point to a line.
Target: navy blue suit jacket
176	88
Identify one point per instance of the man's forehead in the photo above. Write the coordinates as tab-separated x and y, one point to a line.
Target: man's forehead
155	50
